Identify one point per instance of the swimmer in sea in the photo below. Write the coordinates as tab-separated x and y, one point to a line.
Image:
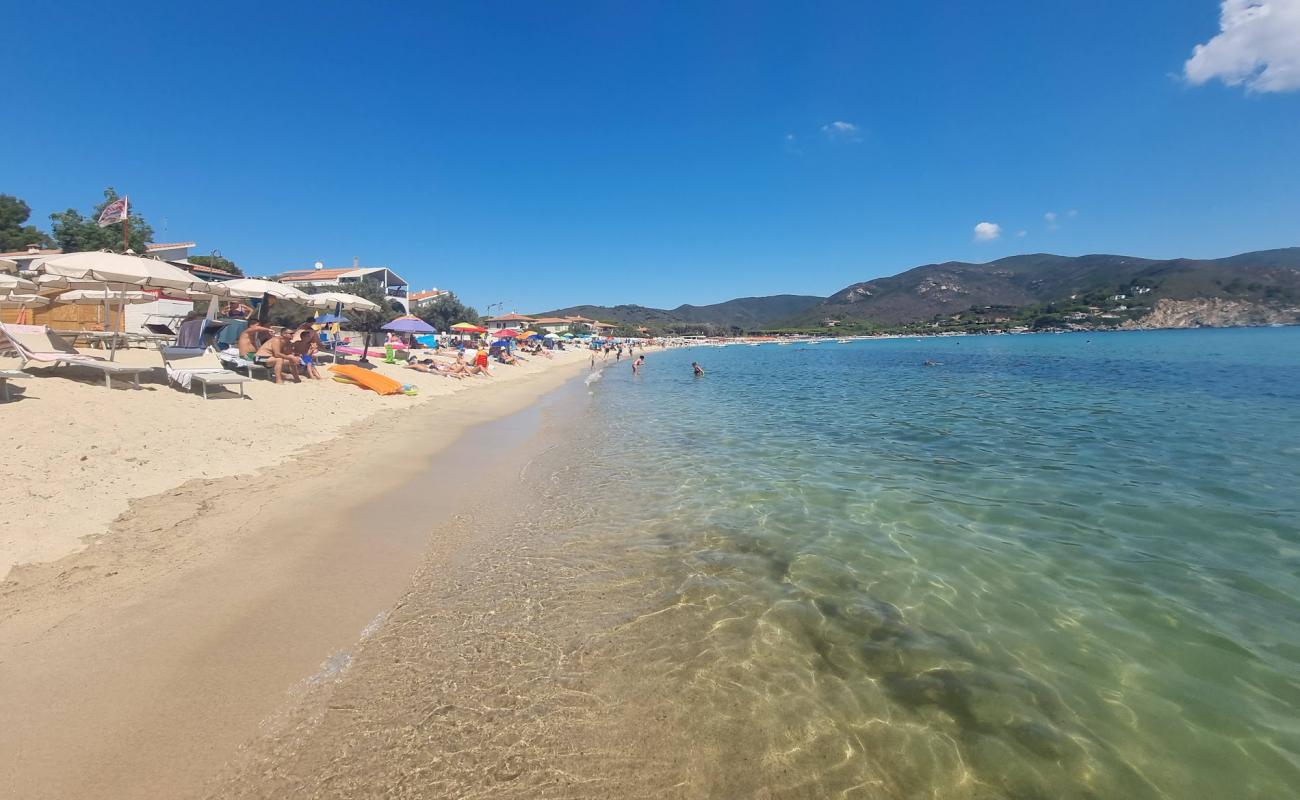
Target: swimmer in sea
699	371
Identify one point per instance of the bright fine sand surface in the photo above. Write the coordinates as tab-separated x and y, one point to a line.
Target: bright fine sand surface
182	564
80	453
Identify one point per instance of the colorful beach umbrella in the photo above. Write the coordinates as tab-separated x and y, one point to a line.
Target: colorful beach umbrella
467	327
507	333
409	324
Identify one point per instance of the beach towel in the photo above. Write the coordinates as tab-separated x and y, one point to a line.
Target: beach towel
191	335
229	335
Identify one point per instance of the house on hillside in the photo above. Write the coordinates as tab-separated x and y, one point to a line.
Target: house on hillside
426	297
580	324
340	278
552	324
510	320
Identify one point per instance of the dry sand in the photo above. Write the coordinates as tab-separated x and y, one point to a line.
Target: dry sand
191	562
79	453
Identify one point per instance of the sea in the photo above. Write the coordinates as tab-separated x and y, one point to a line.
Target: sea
1021	567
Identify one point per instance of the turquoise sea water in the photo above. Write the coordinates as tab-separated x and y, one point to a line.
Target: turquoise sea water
1047	566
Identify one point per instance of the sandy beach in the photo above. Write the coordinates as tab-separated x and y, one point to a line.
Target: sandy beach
183	565
80	453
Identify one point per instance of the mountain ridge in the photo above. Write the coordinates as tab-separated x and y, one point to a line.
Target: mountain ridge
1123	287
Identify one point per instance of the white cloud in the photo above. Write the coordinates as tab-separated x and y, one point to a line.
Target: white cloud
1258	45
1072	213
987	231
841	131
1021	234
1050	217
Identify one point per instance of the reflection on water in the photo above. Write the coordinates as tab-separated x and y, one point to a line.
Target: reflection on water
1053	567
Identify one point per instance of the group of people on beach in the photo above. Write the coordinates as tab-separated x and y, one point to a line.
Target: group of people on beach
292	348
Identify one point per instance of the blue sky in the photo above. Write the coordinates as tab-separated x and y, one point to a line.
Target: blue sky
542	155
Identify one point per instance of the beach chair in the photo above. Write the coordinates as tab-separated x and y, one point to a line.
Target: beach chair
189	365
37	343
235	362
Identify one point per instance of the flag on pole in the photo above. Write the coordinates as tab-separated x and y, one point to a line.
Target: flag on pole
115	211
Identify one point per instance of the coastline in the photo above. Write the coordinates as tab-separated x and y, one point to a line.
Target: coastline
140	663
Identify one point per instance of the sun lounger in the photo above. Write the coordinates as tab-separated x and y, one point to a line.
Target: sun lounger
187	365
233	361
5	375
38	343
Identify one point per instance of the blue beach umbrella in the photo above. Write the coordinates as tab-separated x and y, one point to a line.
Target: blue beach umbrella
330	319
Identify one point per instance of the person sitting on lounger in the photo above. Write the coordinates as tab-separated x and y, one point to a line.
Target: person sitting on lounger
275	353
305	345
252	338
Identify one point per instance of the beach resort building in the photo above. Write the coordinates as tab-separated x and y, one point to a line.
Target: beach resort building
580	324
389	282
510	320
24	258
426	297
552	324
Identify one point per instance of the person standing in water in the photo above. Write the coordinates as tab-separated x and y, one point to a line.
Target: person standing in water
699	371
636	365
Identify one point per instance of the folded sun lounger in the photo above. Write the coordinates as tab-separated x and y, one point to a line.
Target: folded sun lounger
38	343
188	365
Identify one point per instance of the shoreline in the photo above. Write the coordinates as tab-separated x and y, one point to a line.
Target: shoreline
140	663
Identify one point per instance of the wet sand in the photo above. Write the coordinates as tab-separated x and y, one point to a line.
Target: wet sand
137	667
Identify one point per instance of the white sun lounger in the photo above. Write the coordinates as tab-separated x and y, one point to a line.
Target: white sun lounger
186	365
235	363
39	344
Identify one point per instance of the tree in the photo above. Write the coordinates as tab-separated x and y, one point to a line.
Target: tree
446	311
217	262
15	234
78	234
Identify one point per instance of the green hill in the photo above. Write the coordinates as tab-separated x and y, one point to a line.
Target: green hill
1019	284
743	312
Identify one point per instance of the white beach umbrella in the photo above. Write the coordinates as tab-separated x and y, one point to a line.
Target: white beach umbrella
116	269
6	265
104	297
86	297
341	300
258	287
11	300
120	272
12	283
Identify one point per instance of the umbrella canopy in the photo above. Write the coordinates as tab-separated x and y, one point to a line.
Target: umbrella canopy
348	302
22	300
114	268
256	287
409	324
10	283
568	336
88	297
552	336
330	319
468	327
7	265
506	333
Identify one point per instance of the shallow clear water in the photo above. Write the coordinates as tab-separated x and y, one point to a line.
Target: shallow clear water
1048	566
1045	567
